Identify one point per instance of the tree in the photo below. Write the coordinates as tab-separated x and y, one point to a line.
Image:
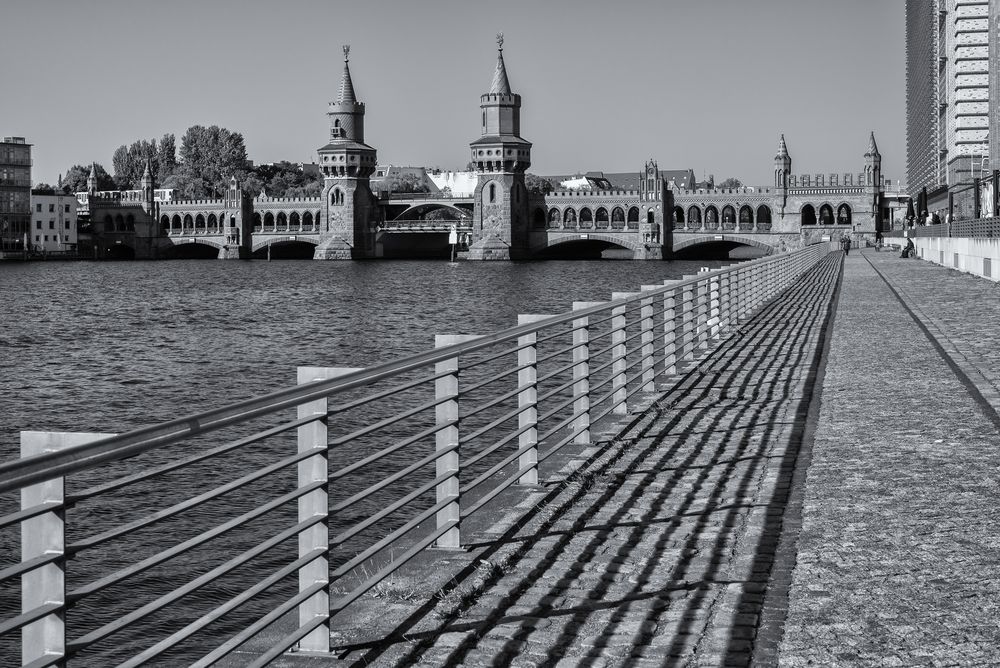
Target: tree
731	182
283	179
75	179
43	189
166	158
536	184
212	155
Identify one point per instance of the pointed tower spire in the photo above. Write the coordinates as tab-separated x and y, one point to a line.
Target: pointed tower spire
92	179
872	148
147	174
782	149
500	85
346	85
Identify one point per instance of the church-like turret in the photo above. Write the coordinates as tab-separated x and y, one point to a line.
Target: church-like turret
347	163
500	157
782	172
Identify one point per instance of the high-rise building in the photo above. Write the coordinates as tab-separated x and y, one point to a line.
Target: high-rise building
949	61
15	192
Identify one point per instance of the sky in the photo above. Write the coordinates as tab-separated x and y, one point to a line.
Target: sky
702	84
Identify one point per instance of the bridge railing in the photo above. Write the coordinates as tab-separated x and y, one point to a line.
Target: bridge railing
181	541
425	225
972	228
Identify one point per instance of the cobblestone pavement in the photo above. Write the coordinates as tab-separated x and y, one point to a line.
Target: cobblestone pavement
898	551
660	551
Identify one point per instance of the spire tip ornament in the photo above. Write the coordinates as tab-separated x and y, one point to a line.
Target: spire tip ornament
500	41
347	52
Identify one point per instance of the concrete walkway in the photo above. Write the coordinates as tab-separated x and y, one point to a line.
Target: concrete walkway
661	550
897	560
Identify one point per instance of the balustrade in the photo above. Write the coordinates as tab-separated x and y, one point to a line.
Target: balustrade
377	465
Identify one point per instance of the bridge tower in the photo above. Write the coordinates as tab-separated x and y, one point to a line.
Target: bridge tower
92	179
349	210
657	211
146	187
237	223
501	156
782	170
873	177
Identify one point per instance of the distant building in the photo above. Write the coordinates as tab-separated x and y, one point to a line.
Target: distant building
160	195
54	221
456	184
15	192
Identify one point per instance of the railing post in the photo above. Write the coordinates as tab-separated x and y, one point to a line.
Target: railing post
713	306
446	438
701	298
688	309
313	437
581	373
725	301
619	355
527	400
646	339
670	324
43	535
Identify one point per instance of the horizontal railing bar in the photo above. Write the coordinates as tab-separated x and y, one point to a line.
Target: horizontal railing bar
399	417
224	609
491	403
509	415
194	501
506	352
201	538
539	340
192	586
561	443
143	475
249	632
29	565
28	513
555	409
562	423
493	378
557	353
36	468
486	452
388	510
487	474
44	661
384	452
558	388
287	641
382	394
374	548
398	475
396	562
496	491
25	618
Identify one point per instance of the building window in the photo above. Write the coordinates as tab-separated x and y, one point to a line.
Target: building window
38	208
67	224
38	238
52	224
52	208
46	237
38	224
66	208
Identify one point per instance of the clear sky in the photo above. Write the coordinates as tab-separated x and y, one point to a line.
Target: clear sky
701	84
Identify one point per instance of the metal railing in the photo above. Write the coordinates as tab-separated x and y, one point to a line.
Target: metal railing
419	225
972	228
249	518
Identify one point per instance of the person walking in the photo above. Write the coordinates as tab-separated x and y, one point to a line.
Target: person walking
845	243
878	240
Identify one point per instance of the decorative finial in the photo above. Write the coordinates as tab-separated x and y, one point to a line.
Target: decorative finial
500	41
347	52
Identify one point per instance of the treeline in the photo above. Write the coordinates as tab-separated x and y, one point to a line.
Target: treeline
199	168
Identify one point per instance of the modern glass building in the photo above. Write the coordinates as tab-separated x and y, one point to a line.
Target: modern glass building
15	192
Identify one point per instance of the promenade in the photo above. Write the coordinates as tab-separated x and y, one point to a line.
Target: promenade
739	521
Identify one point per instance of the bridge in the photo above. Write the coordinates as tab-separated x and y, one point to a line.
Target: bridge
627	480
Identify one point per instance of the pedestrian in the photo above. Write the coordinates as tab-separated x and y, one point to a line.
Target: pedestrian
845	243
878	240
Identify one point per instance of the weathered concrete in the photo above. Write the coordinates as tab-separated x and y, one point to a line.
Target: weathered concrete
898	549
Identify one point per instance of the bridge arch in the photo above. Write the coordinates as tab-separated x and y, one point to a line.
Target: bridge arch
735	238
746	217
728	217
569	217
678	217
554	218
188	222
281	222
268	221
711	217
844	214
307	220
694	216
586	218
633	216
263	242
119	223
807	215
763	217
165	224
826	214
618	218
601	220
199	223
622	241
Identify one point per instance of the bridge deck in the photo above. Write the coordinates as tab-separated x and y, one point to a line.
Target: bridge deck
744	518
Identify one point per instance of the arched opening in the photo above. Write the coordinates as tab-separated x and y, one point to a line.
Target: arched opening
586	219
678	218
287	250
711	218
569	218
294	222
585	249
618	218
199	224
601	219
130	223
808	215
826	215
119	252
194	252
694	217
746	218
493	193
165	224
538	219
554	218
269	222
720	250
188	223
213	222
119	223
763	217
307	221
843	214
633	218
109	223
175	224
257	224
282	222
728	218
